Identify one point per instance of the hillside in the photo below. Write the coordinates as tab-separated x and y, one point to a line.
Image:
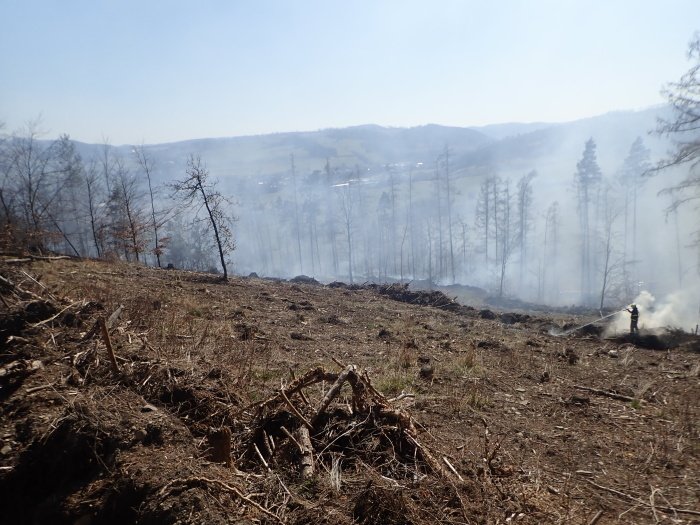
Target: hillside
269	155
501	146
263	401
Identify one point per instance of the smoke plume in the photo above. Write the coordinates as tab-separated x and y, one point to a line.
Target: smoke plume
680	309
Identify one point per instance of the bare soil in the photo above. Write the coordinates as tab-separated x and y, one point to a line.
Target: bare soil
441	413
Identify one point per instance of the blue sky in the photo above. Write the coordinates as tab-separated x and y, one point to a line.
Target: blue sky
156	71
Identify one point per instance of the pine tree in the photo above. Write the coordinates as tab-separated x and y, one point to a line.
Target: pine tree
587	181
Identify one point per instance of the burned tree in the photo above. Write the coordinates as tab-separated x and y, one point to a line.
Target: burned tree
197	190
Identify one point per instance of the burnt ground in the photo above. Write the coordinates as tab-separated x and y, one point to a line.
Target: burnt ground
450	415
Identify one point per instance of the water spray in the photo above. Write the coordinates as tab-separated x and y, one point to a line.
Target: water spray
572	330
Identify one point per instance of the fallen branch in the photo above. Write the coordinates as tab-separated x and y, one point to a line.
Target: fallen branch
292	438
56	315
38	388
666	510
224	486
257	451
447	462
30	258
40	285
17	261
296	412
596	518
605	393
12	287
333	391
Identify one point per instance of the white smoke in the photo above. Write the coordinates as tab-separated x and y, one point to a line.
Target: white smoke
680	309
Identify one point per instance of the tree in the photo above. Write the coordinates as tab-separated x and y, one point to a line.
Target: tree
128	223
36	175
506	242
296	211
94	190
684	130
635	166
550	254
611	261
524	220
439	212
347	205
485	211
63	211
146	164
197	189
586	180
7	197
684	97
446	162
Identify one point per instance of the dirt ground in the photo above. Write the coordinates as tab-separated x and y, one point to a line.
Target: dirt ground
450	414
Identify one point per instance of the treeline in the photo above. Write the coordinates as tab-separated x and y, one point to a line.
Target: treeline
441	224
105	206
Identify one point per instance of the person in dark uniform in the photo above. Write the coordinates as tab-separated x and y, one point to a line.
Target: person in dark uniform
634	318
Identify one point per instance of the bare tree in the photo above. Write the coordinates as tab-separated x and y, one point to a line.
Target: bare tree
7	197
612	262
524	219
446	163
347	205
197	190
485	211
146	164
550	253
438	195
506	243
94	191
35	180
296	211
127	217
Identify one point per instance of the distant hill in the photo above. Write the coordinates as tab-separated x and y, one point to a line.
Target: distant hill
500	148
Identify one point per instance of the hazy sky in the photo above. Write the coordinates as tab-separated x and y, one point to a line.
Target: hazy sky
152	71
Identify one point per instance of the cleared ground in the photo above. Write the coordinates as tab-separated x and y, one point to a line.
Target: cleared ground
499	421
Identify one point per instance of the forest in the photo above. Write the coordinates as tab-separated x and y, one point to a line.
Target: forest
530	212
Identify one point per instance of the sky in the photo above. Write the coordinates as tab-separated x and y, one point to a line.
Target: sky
150	71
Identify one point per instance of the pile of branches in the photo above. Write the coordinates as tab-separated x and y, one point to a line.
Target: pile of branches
363	427
400	292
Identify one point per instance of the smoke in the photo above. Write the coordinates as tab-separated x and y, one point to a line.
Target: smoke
680	309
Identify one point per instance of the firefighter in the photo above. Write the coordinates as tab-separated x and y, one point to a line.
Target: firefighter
634	318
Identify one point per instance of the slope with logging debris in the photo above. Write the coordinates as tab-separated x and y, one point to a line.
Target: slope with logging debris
131	394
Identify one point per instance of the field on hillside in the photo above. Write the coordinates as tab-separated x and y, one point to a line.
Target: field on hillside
259	401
